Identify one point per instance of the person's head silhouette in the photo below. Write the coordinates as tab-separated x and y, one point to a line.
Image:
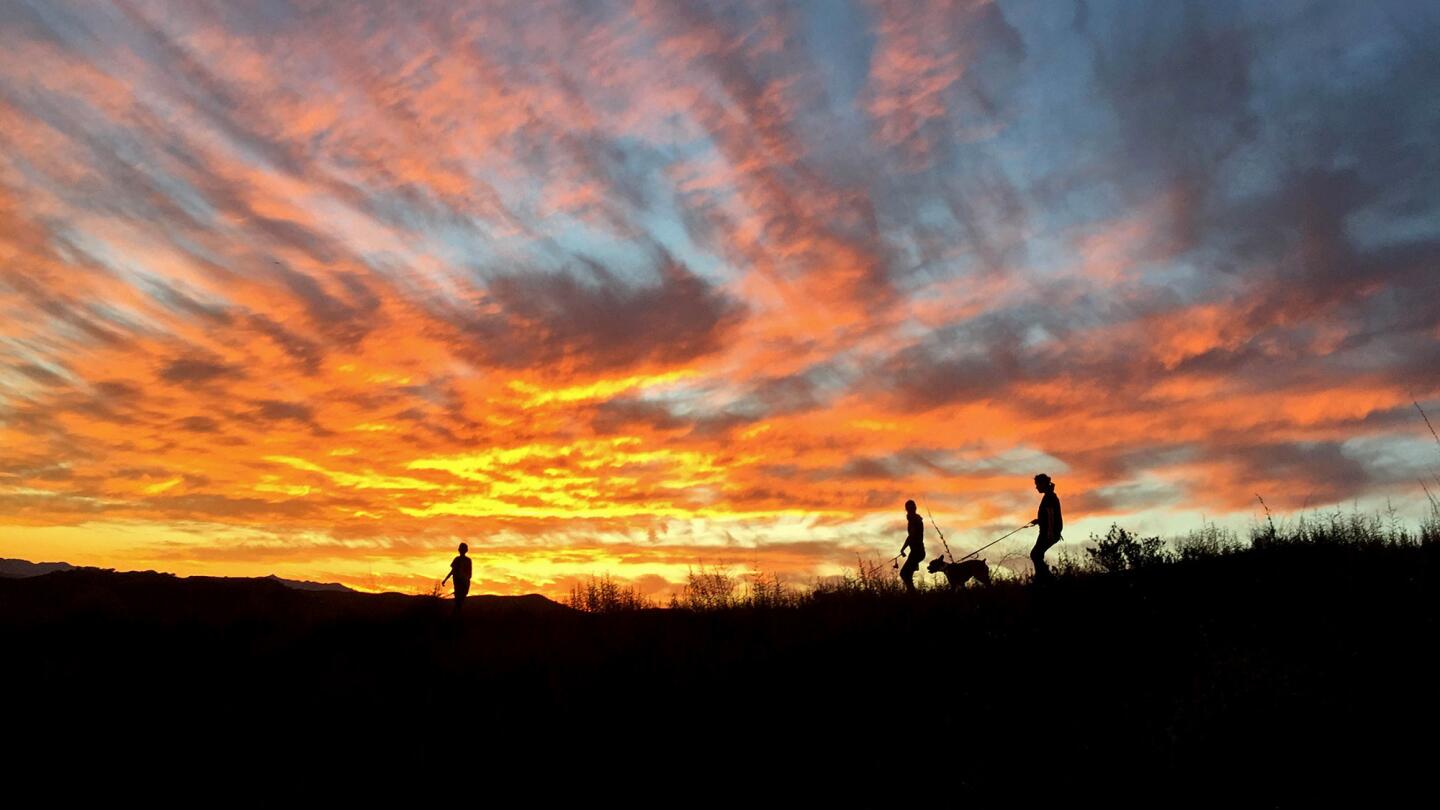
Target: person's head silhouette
1043	483
910	507
463	548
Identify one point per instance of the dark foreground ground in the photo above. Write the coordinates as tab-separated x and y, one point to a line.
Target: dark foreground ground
1276	670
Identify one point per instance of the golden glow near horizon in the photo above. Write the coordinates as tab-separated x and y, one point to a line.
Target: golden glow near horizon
325	295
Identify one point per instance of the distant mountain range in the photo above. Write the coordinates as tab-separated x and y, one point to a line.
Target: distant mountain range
24	569
20	569
306	585
33	593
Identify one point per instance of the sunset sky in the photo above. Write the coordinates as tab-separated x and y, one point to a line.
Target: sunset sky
322	289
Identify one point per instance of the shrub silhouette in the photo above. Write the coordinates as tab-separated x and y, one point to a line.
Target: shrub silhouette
766	590
871	578
1209	540
1430	526
1356	529
707	589
1120	550
605	595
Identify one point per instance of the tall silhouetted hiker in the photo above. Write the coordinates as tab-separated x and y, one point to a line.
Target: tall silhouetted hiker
915	541
1050	523
460	570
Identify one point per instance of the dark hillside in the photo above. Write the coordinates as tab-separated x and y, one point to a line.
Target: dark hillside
1279	664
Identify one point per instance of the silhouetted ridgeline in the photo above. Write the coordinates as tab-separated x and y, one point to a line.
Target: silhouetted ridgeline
23	569
1292	666
19	569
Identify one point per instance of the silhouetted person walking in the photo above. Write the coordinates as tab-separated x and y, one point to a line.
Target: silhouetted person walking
915	542
1050	523
460	570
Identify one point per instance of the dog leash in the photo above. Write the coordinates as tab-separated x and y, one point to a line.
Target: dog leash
893	562
947	545
993	542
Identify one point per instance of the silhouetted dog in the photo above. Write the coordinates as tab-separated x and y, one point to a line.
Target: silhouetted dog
960	573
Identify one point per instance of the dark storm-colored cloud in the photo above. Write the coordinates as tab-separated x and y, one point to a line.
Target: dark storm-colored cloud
1111	463
1183	87
346	315
41	375
198	369
42	472
306	353
1178	79
891	467
276	411
977	360
317	246
118	390
766	397
1321	471
1123	498
600	321
270	414
619	416
787	394
85	318
219	507
21	505
199	424
1281	255
184	305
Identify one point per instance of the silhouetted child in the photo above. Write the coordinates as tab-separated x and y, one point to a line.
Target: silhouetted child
1050	523
915	541
460	570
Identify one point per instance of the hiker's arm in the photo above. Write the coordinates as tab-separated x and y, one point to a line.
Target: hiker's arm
446	579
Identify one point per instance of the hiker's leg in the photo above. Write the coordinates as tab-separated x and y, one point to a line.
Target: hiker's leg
907	571
1037	556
